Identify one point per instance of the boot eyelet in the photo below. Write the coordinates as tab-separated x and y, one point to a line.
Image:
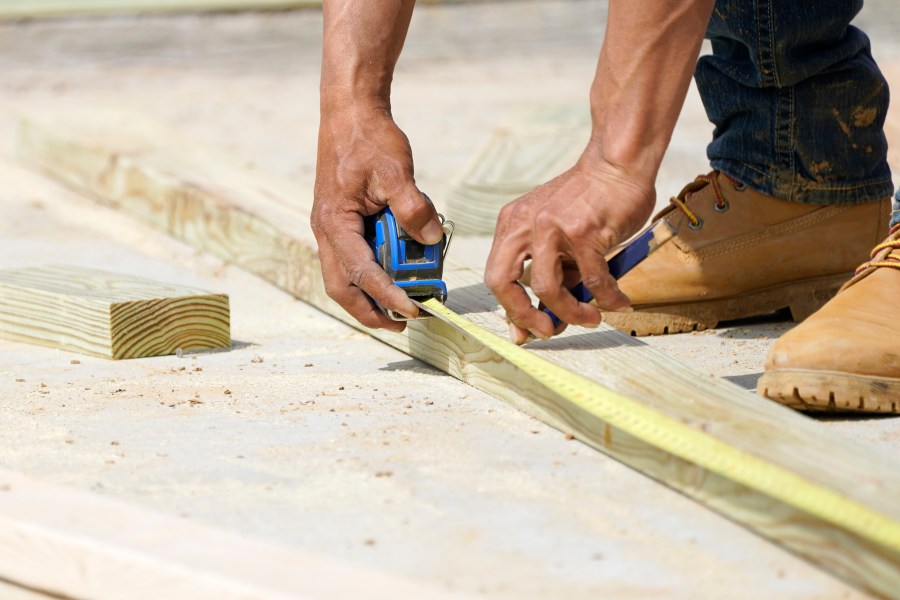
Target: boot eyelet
696	227
740	186
721	209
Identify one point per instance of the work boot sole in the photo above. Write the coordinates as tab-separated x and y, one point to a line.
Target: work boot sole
802	298
810	390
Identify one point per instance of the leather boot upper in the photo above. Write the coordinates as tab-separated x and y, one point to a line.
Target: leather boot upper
857	331
732	240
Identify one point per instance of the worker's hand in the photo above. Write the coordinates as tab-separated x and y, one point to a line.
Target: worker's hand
364	164
565	227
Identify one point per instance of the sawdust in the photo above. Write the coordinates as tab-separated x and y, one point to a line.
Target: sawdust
469	502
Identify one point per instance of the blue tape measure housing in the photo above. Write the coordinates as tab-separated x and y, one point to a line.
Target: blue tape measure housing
416	268
625	260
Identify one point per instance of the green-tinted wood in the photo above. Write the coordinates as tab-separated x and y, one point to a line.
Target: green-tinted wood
260	222
107	314
73	544
13	9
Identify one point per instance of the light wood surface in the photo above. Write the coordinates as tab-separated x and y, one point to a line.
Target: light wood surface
19	9
530	147
80	545
108	314
260	222
52	8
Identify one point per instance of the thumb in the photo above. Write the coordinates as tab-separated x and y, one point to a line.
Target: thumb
416	214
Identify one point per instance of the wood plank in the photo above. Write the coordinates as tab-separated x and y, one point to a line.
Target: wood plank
260	221
108	314
78	545
28	9
17	9
530	147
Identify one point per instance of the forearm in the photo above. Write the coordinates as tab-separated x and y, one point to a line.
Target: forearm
362	42
645	68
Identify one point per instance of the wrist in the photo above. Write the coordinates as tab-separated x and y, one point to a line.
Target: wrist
634	183
351	104
340	94
625	154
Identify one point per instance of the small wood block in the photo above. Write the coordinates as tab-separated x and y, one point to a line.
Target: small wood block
108	314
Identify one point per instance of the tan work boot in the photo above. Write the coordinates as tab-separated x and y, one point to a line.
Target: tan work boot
846	356
739	253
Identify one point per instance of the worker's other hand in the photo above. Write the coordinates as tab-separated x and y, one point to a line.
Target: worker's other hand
364	164
565	227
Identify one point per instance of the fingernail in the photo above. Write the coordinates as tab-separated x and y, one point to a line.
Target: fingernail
432	232
513	333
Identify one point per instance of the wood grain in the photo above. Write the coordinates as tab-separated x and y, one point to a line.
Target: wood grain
260	221
18	9
109	315
79	545
53	8
529	148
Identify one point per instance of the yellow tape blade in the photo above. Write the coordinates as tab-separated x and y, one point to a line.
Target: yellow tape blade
683	441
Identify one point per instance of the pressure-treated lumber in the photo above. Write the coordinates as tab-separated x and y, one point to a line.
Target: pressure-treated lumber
529	148
260	222
53	8
109	315
79	545
19	9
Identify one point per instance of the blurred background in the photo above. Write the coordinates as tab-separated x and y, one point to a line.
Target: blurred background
248	81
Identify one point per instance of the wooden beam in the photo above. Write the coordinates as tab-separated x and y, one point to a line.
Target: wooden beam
849	521
79	545
30	9
109	315
530	147
20	9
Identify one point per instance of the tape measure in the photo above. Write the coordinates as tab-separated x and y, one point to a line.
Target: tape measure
682	441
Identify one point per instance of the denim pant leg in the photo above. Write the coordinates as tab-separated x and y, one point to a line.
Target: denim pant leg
797	100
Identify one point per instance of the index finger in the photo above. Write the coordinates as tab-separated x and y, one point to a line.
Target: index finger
504	267
548	282
597	278
350	297
363	272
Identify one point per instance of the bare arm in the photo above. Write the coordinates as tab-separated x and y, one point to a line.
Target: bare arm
567	225
364	161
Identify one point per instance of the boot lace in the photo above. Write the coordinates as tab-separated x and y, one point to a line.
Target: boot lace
885	254
711	179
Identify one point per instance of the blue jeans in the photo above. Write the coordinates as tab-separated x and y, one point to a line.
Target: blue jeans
895	216
797	101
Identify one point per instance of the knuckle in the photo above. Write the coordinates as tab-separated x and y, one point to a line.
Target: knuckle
507	214
322	222
595	282
606	239
493	280
541	288
357	275
545	220
334	290
506	211
579	229
413	210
